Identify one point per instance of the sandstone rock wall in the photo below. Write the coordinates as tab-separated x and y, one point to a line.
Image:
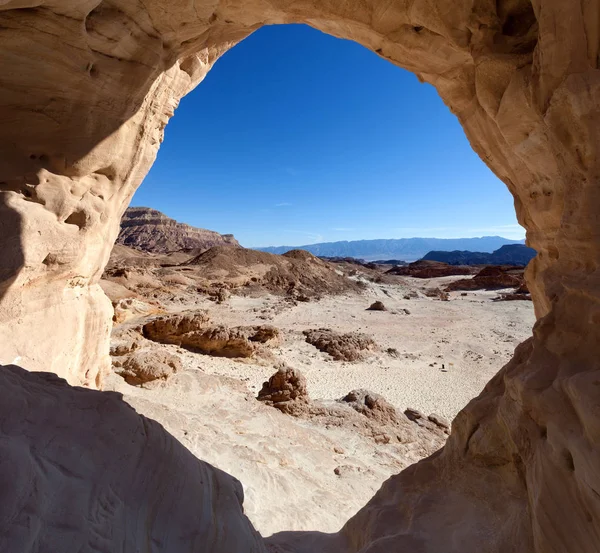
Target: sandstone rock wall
97	82
86	90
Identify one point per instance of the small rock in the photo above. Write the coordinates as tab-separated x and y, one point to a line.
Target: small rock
414	414
440	421
377	306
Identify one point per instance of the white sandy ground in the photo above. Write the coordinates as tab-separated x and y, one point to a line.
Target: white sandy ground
287	465
471	336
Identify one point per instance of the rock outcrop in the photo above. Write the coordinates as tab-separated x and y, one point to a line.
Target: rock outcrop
362	411
142	367
150	230
285	390
190	330
429	269
351	346
373	406
87	90
490	278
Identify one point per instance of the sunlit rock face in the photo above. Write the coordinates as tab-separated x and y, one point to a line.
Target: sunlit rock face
87	88
152	231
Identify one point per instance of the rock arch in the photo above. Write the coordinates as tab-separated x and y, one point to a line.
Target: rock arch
87	89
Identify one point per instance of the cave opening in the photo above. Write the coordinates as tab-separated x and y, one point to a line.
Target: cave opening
309	138
312	139
521	78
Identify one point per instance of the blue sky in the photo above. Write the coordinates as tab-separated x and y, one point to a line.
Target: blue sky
297	137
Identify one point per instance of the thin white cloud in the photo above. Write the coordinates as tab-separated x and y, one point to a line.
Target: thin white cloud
343	229
312	236
508	231
283	204
423	229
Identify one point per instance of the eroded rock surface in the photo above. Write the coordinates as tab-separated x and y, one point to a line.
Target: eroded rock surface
146	366
87	90
190	330
351	346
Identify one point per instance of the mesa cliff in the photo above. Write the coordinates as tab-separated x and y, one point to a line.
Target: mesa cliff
150	230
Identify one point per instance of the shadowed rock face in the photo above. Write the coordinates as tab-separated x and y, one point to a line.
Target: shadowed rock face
87	88
82	471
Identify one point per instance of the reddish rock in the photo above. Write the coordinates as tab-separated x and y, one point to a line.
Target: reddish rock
430	269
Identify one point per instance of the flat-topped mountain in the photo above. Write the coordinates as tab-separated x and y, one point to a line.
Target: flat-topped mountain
150	230
510	254
407	249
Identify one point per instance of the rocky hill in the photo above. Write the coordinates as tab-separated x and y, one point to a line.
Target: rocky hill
296	273
510	254
407	249
150	230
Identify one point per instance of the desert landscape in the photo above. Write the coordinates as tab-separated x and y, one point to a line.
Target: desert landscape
366	365
190	401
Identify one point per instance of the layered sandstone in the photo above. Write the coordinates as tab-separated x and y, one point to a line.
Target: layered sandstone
150	230
87	90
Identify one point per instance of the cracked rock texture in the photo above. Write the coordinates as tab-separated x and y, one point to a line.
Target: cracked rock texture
86	90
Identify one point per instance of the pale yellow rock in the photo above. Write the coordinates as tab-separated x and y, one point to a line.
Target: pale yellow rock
86	89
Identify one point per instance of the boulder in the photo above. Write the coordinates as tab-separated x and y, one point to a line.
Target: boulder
190	330
148	365
351	346
286	391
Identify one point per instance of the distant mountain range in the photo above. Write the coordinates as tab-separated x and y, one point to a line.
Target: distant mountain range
407	249
510	254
